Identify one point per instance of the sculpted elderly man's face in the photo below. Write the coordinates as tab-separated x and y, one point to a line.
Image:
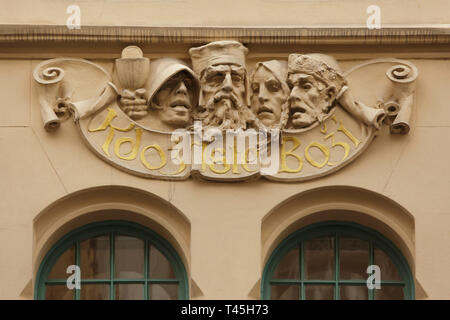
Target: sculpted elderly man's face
309	99
267	96
223	87
175	100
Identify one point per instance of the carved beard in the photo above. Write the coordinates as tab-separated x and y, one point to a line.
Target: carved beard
223	111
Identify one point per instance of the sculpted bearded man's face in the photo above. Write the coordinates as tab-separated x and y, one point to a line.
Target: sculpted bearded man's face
223	90
267	96
309	99
175	100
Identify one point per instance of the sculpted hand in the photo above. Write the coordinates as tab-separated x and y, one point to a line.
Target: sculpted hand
134	103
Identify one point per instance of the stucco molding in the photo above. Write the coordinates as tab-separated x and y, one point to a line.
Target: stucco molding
323	35
110	203
158	108
342	203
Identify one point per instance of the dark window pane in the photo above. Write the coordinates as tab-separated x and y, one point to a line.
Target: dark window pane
94	258
160	267
289	266
163	291
319	258
354	258
387	268
94	292
319	292
284	292
60	267
132	291
58	292
353	292
389	293
129	257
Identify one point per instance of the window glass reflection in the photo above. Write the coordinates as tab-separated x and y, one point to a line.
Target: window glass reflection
160	267
354	258
59	270
319	292
284	292
289	266
129	257
94	258
319	258
163	291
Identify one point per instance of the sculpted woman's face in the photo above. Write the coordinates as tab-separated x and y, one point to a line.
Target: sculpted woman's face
267	97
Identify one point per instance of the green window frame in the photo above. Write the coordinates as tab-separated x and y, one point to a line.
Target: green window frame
336	229
112	228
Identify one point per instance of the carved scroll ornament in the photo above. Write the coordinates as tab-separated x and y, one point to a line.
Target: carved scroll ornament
287	120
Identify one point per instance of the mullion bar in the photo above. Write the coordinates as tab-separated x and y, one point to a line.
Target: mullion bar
149	291
353	282
371	294
166	281
297	282
77	263
300	288
336	267
392	283
285	281
302	271
319	281
111	267
146	266
293	281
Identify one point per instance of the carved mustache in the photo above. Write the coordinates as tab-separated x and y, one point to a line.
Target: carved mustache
230	96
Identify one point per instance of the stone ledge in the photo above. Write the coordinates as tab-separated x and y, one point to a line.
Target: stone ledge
249	35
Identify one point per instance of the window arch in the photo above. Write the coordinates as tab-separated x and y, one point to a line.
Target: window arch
328	260
117	260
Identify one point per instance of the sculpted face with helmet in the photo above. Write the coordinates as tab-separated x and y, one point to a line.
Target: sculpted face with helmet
314	81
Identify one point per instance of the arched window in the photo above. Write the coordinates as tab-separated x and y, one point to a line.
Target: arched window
327	261
117	260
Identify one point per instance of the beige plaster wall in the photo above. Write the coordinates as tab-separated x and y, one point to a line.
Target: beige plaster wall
225	244
224	231
225	13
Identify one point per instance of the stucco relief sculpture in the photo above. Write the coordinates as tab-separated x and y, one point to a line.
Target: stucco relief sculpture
132	70
145	117
173	91
224	94
269	93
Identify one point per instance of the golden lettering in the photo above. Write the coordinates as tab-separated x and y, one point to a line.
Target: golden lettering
349	134
107	123
342	144
334	119
322	148
134	146
226	166
235	165
161	155
109	138
245	159
204	144
284	155
324	128
182	165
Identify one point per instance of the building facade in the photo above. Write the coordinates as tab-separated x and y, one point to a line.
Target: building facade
358	121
